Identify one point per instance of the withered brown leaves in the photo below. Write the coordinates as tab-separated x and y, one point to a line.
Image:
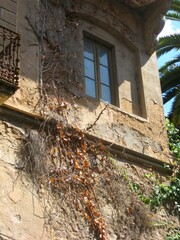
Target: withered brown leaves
74	172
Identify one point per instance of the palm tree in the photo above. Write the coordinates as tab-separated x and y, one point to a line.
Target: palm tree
170	72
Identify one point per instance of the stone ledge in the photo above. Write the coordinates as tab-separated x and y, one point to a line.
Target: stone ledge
122	153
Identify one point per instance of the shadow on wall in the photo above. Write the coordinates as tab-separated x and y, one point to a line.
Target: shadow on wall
128	87
62	55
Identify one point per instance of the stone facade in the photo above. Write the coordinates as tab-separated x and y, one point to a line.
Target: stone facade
136	122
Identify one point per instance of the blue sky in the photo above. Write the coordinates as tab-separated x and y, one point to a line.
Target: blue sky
171	27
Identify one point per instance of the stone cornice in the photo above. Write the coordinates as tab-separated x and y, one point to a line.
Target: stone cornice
152	13
153	23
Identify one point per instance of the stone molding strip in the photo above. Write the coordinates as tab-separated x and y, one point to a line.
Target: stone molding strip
28	120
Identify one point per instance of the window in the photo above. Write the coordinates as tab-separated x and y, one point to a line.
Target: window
98	70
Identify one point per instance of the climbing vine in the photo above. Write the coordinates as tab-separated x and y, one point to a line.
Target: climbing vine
70	166
169	194
60	157
74	160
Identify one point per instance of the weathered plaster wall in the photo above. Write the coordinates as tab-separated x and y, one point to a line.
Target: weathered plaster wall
21	211
139	127
27	97
29	211
138	120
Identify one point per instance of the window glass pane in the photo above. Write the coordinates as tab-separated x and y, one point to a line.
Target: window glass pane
104	75
90	87
103	56
97	70
89	68
105	93
89	49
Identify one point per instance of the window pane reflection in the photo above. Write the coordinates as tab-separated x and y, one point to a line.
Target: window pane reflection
89	68
103	56
105	93
90	87
104	75
89	49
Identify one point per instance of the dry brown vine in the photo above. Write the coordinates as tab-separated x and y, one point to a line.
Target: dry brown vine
70	166
74	164
73	159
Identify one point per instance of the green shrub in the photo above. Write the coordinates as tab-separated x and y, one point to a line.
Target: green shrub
174	140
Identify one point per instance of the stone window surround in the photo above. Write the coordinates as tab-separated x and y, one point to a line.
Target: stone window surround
88	28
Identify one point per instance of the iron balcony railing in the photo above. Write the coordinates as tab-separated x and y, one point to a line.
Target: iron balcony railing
9	56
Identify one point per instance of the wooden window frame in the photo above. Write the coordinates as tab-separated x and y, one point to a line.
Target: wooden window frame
112	66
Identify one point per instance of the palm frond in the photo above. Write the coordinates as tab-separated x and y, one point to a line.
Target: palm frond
166	44
175	111
170	64
170	78
173	16
170	94
170	72
175	6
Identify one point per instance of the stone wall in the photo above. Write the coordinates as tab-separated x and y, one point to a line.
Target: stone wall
22	214
31	212
8	11
137	122
27	97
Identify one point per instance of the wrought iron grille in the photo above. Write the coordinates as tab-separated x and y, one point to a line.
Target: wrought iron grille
9	55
